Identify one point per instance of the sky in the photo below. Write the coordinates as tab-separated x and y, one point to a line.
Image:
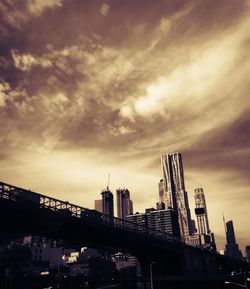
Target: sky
91	88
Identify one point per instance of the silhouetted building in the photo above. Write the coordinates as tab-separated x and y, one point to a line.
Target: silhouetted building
107	203
232	248
162	221
206	237
174	195
98	205
124	204
138	221
248	253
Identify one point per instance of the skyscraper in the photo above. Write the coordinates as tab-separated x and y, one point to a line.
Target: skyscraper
206	237
201	212
124	204
107	202
232	248
174	195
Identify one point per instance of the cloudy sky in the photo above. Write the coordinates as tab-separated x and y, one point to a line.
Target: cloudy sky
89	88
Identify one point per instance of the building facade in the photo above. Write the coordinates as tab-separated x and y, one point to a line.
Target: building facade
232	248
201	212
161	221
165	221
107	203
124	203
138	222
98	205
205	235
174	195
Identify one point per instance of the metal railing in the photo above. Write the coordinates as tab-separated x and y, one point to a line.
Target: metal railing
39	201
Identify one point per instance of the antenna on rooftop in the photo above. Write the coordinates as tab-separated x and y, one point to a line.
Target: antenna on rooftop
108	182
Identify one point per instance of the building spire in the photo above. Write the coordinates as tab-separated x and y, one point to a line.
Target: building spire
108	181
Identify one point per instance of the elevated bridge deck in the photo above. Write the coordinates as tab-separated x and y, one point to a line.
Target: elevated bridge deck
27	212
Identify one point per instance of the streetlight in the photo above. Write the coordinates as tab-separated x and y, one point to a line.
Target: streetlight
240	285
151	275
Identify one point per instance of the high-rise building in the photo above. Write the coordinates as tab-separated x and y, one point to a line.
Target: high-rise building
232	248
98	205
107	202
124	204
174	193
201	212
206	237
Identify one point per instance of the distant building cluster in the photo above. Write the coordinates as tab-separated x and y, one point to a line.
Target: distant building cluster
47	261
106	204
172	213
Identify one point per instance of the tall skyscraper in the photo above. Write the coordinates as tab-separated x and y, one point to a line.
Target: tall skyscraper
174	193
107	202
201	212
206	237
232	248
124	204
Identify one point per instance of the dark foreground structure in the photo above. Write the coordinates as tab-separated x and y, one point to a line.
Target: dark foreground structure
171	261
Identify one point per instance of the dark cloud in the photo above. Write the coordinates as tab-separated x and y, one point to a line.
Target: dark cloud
224	148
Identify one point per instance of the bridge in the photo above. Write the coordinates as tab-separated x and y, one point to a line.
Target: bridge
26	212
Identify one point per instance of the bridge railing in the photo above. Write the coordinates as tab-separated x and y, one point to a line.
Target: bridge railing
36	200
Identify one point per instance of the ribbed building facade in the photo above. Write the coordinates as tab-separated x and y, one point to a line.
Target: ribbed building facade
174	193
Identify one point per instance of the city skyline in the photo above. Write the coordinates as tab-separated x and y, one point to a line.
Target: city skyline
114	87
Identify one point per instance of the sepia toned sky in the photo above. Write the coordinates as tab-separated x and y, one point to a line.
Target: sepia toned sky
89	88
